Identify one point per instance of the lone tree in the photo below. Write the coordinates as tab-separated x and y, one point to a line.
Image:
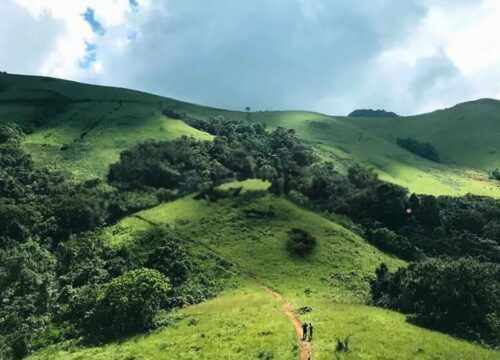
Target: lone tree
248	109
300	242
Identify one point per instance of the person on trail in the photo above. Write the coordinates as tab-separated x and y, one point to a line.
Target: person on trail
304	331
310	331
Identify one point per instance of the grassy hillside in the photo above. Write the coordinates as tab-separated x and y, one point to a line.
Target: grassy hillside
465	137
246	323
83	128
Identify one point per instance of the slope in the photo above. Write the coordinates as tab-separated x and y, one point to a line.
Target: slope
251	230
82	128
466	137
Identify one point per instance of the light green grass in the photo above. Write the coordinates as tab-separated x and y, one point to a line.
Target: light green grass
372	142
102	146
247	185
382	334
237	325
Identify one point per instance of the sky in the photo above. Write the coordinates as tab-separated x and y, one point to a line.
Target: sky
330	56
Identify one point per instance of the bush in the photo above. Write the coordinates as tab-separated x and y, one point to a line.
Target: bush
300	242
495	174
129	303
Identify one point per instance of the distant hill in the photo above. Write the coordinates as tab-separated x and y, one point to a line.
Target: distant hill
83	128
372	113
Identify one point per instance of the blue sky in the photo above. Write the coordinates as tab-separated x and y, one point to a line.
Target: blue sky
331	56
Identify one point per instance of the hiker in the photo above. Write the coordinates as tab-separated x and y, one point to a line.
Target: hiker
310	332
304	331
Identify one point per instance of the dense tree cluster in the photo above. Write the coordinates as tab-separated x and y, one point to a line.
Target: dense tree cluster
372	113
240	150
422	149
458	296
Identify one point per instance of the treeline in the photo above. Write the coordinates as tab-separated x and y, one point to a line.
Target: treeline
457	296
60	280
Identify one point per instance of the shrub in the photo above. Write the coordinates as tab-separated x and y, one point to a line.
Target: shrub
343	345
300	242
495	174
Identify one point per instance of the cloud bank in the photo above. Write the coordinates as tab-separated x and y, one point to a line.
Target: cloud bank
330	56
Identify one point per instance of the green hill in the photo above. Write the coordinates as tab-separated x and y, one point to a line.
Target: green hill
243	231
246	322
83	128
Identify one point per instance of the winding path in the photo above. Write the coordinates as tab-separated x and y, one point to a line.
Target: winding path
305	347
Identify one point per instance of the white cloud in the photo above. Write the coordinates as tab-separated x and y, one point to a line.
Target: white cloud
325	55
65	58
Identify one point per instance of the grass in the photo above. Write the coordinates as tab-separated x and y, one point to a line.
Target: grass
251	231
467	158
466	136
239	324
382	334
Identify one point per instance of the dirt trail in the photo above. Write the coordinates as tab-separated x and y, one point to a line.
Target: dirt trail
305	347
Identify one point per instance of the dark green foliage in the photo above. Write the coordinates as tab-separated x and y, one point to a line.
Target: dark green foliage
173	114
194	278
78	213
239	151
38	202
27	287
408	226
54	264
372	113
459	296
10	133
391	242
129	303
180	165
300	242
422	149
361	195
343	345
495	174
163	250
